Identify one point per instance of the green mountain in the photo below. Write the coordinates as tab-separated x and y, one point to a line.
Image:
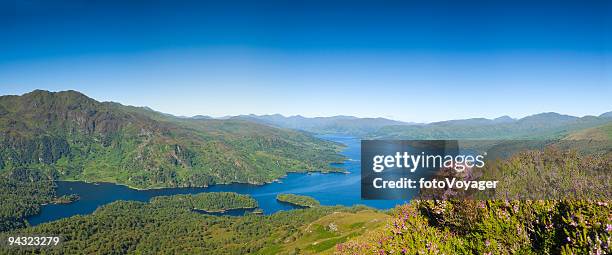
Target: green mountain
346	125
73	137
540	126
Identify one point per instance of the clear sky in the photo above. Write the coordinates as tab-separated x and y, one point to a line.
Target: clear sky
408	60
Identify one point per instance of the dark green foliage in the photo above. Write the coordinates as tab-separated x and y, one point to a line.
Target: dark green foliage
303	201
78	138
210	202
41	149
21	194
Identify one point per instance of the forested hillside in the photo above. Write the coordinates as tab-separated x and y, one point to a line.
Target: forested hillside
159	227
70	136
22	192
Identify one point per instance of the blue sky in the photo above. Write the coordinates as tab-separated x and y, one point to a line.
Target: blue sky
408	60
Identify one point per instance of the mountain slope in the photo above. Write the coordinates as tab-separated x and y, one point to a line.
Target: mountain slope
75	137
599	133
590	140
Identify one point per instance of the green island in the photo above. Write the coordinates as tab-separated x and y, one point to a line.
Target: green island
65	199
208	202
302	201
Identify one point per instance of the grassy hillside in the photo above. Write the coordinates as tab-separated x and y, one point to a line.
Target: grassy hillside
599	133
322	235
74	137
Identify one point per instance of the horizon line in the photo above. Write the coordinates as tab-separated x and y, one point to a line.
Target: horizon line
227	116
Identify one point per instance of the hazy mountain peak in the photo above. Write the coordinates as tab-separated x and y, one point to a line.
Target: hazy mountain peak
606	115
548	116
503	119
472	121
201	117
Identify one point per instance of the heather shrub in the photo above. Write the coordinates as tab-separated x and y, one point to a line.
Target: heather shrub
491	227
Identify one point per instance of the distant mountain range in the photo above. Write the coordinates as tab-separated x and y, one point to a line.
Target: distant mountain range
539	126
347	125
543	125
74	137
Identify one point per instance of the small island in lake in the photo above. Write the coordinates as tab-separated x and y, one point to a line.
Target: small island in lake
66	199
208	202
302	201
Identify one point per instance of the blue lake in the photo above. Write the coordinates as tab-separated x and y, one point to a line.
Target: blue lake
329	189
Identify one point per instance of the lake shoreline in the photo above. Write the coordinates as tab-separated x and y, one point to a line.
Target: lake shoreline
330	188
216	184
